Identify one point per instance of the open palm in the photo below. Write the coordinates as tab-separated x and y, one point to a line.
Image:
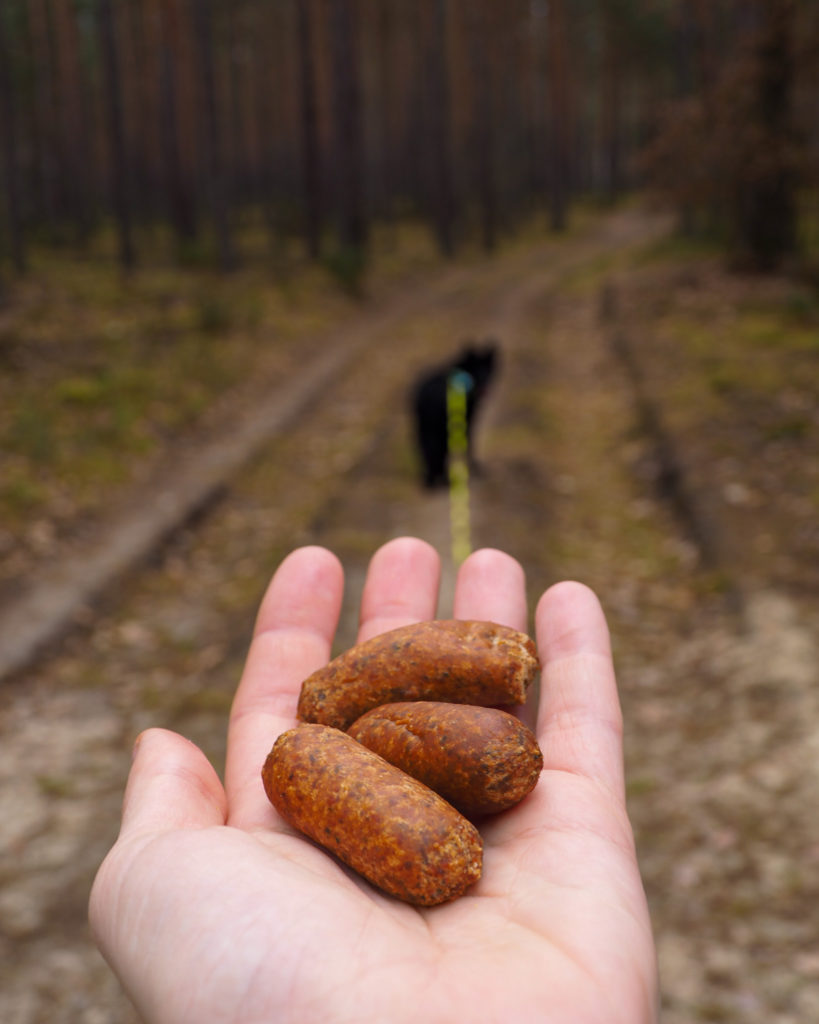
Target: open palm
211	909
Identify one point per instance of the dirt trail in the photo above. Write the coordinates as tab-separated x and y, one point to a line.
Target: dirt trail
720	712
184	483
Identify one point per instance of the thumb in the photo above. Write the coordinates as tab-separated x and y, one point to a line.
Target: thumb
172	785
172	792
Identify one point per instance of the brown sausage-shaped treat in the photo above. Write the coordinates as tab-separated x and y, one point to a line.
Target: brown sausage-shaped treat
387	826
481	760
452	660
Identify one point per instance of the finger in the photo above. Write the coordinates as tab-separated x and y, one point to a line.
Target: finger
172	785
491	586
292	638
401	586
580	725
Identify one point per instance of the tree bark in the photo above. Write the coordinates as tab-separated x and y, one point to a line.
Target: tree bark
8	127
767	201
558	84
483	124
610	102
181	192
216	174
310	152
385	100
116	136
348	139
438	108
47	140
73	126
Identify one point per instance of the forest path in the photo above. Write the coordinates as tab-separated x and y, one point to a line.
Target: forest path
165	597
719	712
183	484
510	307
187	479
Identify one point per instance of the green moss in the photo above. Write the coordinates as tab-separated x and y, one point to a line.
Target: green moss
789	428
724	381
20	496
640	786
715	1012
214	313
206	700
55	785
715	582
679	247
152	698
83	391
33	431
347	266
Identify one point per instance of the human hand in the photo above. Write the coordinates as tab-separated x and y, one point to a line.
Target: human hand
210	909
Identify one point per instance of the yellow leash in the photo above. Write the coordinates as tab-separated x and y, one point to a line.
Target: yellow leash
458	385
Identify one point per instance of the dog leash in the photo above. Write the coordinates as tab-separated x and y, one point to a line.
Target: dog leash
459	384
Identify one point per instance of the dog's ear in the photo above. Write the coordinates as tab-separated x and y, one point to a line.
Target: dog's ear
469	350
487	355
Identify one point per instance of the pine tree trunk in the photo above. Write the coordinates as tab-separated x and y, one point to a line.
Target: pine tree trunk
443	191
347	141
181	200
559	114
610	104
8	128
116	135
216	173
767	202
484	125
310	154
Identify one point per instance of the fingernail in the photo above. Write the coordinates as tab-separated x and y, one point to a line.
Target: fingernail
136	745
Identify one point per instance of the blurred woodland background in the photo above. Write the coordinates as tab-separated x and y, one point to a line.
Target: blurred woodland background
233	232
312	119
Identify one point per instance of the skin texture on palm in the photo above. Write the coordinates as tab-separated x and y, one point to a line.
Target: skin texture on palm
210	909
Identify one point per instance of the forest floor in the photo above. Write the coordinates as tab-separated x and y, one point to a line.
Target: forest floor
654	432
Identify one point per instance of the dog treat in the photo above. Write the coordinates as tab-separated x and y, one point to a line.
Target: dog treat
387	826
481	760
451	660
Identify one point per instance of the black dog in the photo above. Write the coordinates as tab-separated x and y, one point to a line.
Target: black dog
475	365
